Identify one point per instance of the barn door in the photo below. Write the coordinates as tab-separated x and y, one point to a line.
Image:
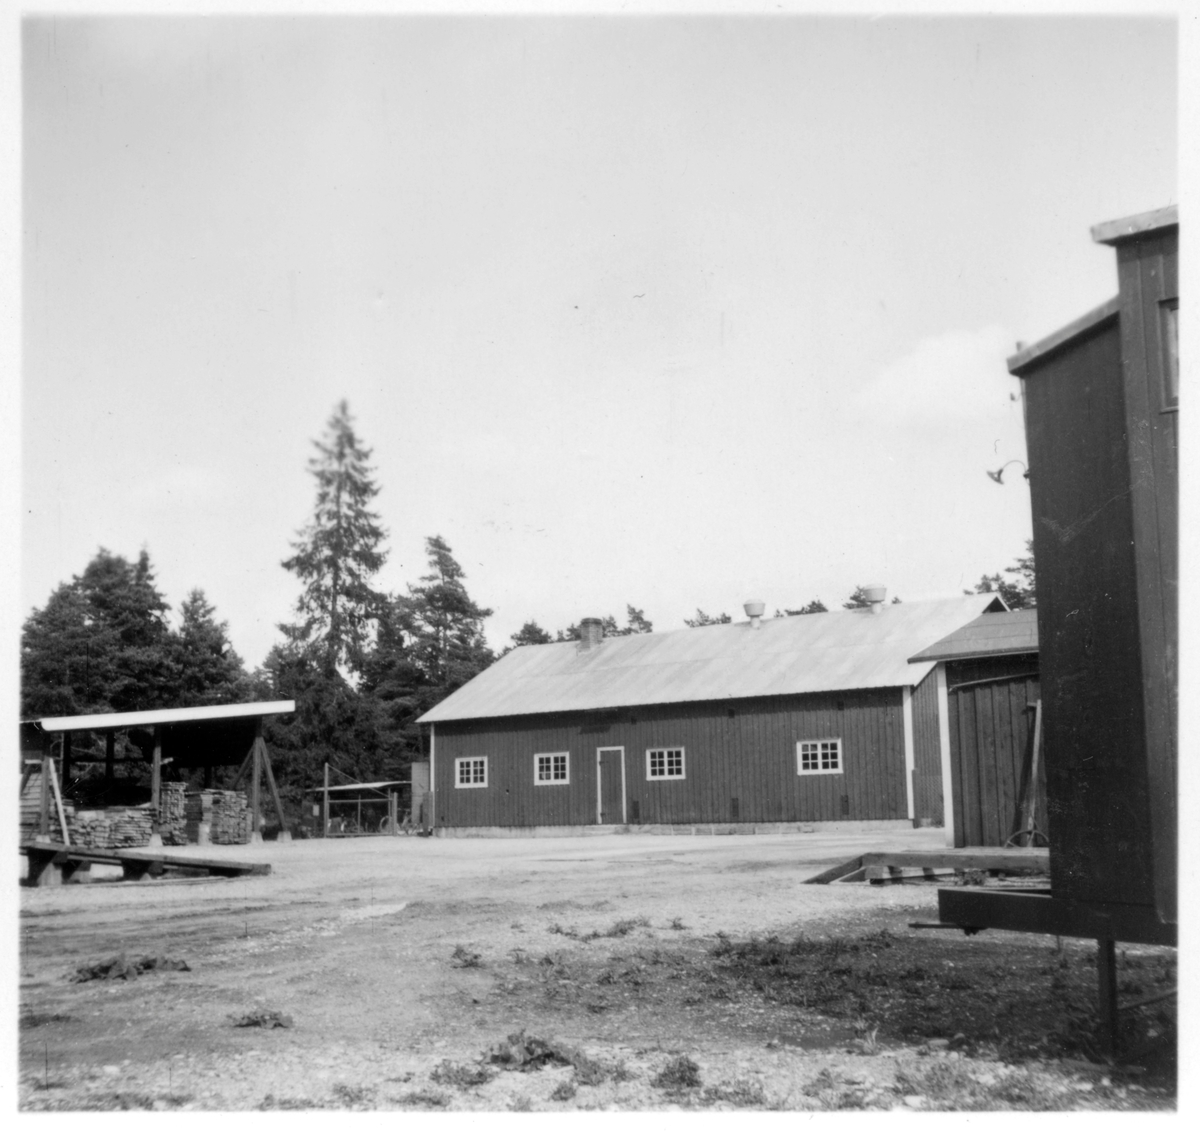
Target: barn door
991	749
610	785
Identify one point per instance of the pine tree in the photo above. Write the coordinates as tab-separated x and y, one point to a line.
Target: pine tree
100	644
207	670
339	551
447	625
1020	593
702	618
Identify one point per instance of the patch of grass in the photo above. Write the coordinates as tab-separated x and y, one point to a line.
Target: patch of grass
35	1020
678	1073
271	1102
461	1075
426	1097
564	1092
353	1095
742	1092
522	1053
464	958
677	925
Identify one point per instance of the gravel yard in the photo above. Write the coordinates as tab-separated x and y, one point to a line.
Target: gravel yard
625	972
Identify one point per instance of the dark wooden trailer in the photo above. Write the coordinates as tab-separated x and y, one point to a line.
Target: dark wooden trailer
1101	407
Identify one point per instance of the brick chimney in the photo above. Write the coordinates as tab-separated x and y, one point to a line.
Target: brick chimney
591	633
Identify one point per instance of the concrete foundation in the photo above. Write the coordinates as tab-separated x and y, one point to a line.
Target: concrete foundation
676	830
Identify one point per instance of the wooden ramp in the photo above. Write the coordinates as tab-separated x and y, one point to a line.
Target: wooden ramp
51	864
896	867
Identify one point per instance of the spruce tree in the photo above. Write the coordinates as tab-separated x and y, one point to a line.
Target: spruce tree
339	552
206	669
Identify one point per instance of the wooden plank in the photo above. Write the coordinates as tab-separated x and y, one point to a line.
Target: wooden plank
58	804
1011	860
266	760
837	872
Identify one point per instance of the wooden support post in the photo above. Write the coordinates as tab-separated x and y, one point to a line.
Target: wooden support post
1106	967
393	813
359	811
110	756
156	778
58	803
256	791
284	835
237	780
66	760
47	770
325	807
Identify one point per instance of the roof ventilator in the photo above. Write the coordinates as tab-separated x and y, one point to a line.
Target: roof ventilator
755	610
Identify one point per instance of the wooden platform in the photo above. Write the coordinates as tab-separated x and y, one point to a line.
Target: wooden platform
895	867
51	864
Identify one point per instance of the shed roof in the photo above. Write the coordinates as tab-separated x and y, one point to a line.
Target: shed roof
992	634
1115	231
838	651
170	715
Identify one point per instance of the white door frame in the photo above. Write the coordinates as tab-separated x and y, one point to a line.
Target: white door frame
600	783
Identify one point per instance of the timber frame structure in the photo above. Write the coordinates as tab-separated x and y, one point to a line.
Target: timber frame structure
195	737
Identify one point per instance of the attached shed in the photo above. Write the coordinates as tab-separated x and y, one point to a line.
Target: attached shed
815	718
990	671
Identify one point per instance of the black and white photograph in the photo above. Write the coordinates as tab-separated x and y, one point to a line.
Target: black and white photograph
578	559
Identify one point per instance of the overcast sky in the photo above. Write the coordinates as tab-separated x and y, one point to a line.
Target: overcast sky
665	311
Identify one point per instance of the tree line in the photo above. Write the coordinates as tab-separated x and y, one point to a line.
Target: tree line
361	664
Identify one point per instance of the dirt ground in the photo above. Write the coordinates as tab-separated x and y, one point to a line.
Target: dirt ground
607	973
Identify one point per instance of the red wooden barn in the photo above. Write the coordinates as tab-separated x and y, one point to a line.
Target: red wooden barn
790	720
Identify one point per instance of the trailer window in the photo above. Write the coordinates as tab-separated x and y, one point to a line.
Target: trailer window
667	762
470	773
551	769
819	756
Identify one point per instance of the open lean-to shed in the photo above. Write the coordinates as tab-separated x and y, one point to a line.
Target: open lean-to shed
802	719
993	696
189	737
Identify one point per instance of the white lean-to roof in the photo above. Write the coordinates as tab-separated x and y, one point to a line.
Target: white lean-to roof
836	651
168	716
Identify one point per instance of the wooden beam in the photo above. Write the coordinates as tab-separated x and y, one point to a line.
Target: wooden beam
47	770
156	780
256	782
266	761
58	802
66	761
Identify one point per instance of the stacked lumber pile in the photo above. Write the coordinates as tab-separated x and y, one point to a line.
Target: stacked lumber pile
172	813
226	813
111	828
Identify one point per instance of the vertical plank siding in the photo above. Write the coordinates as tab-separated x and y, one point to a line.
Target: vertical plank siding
927	753
738	767
1149	275
1094	716
991	747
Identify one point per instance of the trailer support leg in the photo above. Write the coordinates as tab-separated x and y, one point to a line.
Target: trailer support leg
1106	968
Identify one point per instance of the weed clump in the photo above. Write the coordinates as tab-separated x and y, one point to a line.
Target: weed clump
464	958
677	1074
461	1075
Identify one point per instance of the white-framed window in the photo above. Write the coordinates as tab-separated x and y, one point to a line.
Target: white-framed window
665	762
819	756
552	769
470	773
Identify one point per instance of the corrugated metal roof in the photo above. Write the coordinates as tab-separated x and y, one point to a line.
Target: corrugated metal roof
167	716
837	651
993	634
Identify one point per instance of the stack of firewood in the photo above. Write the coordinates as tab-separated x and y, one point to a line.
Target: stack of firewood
172	815
110	828
224	811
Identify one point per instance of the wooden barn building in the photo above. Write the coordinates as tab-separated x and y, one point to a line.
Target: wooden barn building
790	720
992	741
